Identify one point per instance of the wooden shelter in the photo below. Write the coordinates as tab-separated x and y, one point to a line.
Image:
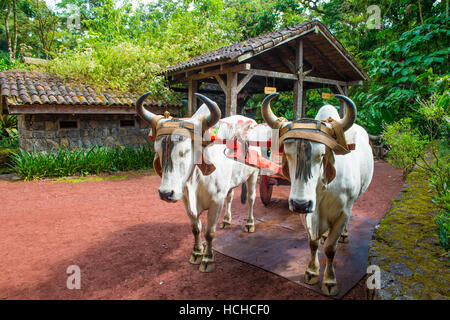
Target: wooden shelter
297	58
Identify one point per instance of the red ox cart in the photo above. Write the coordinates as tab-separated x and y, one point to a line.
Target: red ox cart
270	162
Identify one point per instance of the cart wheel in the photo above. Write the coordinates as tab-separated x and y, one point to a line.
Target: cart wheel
265	189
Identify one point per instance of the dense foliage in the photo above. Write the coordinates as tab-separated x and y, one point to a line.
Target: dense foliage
64	162
125	45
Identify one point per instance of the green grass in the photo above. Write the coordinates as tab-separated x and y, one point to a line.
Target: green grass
65	162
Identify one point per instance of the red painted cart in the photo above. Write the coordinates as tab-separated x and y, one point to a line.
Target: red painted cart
271	164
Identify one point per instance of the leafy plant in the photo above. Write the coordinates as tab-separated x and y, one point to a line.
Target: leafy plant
407	145
427	150
65	162
443	222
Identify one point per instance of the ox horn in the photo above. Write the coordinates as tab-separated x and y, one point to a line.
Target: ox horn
350	112
141	111
214	110
269	117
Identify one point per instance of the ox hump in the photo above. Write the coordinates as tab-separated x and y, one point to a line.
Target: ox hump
326	112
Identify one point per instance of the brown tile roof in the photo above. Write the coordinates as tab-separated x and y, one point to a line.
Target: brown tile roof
258	44
42	88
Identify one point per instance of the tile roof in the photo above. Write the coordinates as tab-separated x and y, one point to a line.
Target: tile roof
258	44
42	88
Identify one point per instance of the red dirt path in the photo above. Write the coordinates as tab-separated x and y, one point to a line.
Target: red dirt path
131	245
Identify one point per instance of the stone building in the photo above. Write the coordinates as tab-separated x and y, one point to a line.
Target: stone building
54	113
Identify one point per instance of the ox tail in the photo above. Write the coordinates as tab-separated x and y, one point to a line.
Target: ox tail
244	193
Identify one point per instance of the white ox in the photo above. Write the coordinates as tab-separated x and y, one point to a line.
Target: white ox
183	179
325	202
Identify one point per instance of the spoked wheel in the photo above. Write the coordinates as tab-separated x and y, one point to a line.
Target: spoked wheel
265	188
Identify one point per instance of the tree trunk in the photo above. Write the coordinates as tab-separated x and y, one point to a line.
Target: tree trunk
8	33
14	45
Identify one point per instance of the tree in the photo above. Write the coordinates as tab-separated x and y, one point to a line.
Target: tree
45	26
11	36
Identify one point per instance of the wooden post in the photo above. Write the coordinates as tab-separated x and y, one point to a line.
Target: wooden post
231	94
298	111
304	103
192	99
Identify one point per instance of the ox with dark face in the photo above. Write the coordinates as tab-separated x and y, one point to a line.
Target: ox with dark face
326	179
308	164
182	160
176	154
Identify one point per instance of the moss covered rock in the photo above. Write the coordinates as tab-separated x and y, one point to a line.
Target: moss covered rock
405	245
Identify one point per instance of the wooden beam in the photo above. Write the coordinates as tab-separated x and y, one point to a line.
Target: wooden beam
197	68
221	83
231	94
213	73
192	99
355	83
304	103
342	54
271	74
284	61
341	91
248	55
243	82
324	58
326	81
298	111
293	53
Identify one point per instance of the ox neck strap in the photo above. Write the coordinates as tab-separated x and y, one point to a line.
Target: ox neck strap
316	130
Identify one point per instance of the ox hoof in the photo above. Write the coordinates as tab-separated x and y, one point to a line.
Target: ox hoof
225	225
311	278
343	239
207	265
250	228
196	258
330	288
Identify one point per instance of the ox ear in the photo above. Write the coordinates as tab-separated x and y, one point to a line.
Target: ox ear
206	167
329	172
285	168
157	165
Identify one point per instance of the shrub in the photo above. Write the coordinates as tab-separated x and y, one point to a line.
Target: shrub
427	150
6	159
443	222
407	145
65	162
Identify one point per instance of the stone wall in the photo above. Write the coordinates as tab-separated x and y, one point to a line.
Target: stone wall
43	132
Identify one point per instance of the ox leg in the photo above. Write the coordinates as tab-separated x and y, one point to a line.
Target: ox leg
329	284
251	196
226	223
344	236
324	237
208	264
312	272
197	251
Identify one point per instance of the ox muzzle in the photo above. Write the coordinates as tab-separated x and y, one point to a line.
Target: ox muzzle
301	206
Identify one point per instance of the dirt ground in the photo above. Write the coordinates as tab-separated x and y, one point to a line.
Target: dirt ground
131	245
